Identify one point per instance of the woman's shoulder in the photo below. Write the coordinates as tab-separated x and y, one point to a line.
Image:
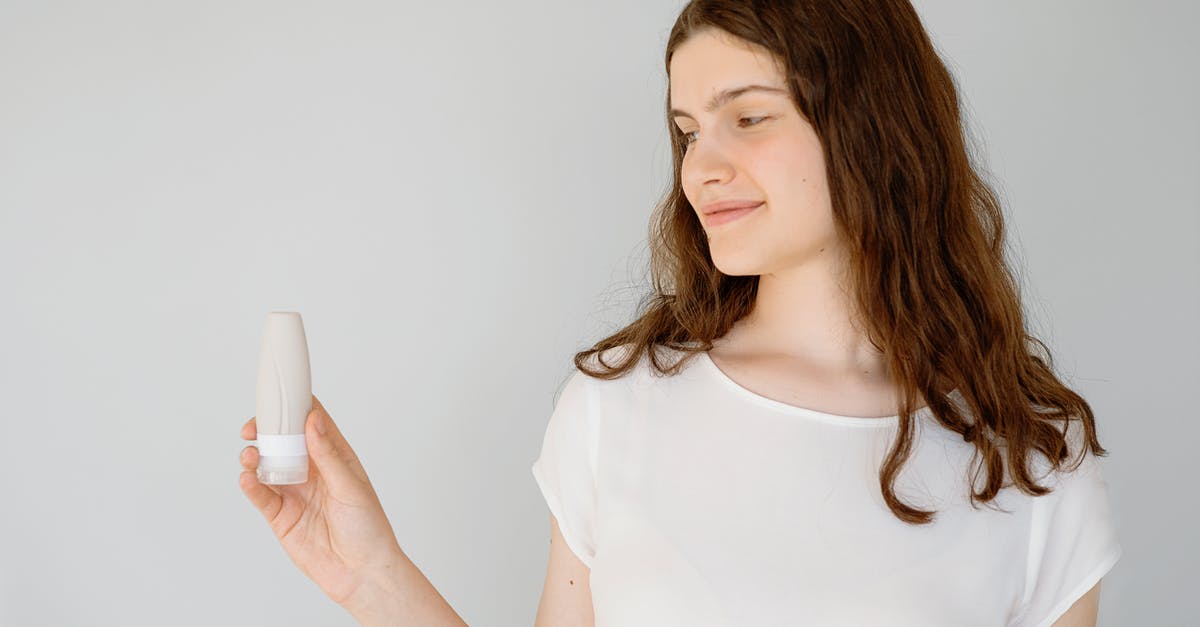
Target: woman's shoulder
613	377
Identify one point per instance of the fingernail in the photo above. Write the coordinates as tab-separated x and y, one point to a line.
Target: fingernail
320	424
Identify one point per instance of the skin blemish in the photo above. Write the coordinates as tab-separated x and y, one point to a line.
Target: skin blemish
572	581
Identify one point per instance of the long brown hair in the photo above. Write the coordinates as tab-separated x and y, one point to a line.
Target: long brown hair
924	231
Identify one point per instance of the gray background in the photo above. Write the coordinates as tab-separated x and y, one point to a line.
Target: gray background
456	199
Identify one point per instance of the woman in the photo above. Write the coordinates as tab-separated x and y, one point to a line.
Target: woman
830	412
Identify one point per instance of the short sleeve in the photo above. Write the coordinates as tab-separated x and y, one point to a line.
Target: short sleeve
1073	538
565	470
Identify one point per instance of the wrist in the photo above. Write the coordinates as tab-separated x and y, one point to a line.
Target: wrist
374	600
395	592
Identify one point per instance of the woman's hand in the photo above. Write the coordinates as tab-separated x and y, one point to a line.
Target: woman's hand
332	526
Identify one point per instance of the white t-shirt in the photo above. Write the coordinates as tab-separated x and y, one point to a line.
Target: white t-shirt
695	501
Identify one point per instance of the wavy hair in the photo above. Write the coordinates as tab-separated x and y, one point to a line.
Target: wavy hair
924	231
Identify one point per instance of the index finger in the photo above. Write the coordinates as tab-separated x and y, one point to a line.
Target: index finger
250	430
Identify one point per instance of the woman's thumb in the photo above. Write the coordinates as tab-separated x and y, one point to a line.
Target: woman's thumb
329	450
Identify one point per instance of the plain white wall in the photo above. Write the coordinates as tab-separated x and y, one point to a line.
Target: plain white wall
456	197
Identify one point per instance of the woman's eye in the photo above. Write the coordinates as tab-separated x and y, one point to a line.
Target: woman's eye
687	141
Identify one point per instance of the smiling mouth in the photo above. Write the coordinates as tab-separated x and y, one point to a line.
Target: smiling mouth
729	215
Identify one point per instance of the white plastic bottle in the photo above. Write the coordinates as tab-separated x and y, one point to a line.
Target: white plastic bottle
283	400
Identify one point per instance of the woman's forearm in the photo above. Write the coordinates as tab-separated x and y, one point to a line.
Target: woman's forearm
399	595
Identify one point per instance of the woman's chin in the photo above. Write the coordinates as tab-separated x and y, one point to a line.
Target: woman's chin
729	265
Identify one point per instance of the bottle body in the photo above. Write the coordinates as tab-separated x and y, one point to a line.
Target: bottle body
283	400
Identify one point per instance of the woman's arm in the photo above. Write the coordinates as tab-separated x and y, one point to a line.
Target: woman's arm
1083	612
402	595
567	594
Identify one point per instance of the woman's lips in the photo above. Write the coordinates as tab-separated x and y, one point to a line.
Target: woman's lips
721	217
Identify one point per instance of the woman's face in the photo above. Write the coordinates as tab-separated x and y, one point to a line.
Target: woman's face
754	147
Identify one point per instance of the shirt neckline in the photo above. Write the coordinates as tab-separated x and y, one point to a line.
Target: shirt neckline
854	421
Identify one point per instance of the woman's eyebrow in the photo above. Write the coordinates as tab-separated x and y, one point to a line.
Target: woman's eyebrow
727	95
